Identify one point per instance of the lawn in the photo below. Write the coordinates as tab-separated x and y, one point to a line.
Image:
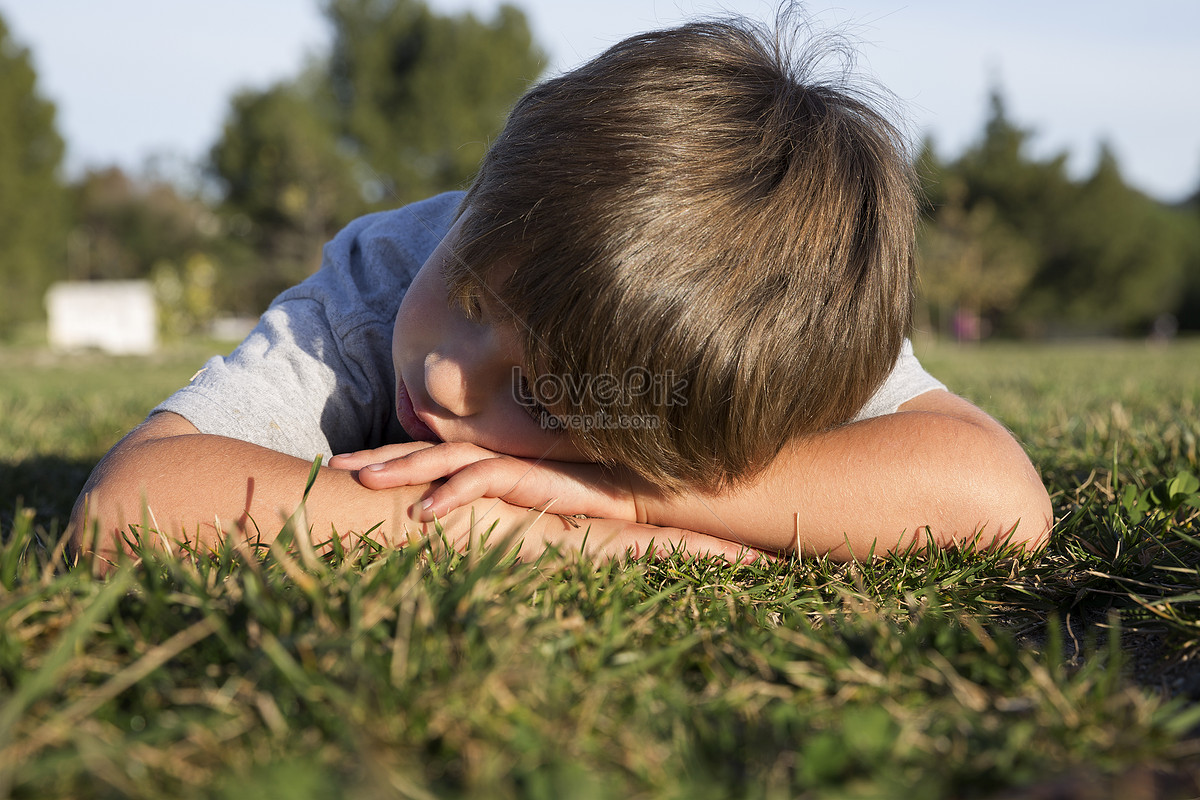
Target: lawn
1075	673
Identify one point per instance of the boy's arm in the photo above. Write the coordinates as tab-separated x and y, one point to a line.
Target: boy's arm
938	462
193	487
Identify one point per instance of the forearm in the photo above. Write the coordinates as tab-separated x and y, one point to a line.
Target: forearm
189	487
940	465
198	489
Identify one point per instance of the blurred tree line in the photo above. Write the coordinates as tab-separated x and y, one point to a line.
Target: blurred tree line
33	218
1014	245
403	105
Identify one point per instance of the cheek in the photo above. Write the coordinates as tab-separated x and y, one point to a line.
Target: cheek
397	353
550	438
403	337
515	433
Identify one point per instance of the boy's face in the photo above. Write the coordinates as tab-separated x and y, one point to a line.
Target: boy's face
455	376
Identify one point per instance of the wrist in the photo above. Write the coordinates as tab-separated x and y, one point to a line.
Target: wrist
646	502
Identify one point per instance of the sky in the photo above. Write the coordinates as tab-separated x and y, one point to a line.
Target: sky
149	81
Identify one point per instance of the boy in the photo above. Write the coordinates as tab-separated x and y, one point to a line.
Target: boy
674	300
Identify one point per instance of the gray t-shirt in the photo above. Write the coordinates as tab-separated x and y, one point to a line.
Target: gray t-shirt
315	376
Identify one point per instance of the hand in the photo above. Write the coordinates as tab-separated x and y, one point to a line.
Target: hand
470	472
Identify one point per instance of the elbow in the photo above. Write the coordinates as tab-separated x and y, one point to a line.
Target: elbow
1031	529
92	540
112	509
1002	504
1020	515
102	513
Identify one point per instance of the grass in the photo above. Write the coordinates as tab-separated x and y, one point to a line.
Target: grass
1070	674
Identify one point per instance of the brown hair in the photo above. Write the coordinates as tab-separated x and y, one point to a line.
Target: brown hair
694	205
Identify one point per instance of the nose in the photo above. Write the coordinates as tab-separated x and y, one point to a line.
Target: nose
458	383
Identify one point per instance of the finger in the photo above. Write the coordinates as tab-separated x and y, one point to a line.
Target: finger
422	466
362	458
494	477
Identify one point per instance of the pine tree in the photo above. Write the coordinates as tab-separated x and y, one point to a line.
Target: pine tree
1123	260
1094	256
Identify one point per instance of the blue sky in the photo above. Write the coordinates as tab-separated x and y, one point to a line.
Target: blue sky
134	79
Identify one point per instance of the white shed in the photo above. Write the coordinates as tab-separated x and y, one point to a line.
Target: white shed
117	317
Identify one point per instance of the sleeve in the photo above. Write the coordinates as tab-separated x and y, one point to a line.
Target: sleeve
907	380
315	376
284	388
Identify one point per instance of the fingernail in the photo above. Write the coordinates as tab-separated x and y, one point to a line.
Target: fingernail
373	467
427	504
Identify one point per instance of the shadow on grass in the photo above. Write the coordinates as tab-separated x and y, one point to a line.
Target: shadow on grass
47	484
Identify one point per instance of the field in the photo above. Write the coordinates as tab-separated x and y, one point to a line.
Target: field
1071	674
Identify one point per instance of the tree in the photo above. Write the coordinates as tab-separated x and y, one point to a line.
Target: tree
287	186
418	96
32	208
1189	306
123	226
999	171
1093	256
973	266
402	108
1122	256
144	227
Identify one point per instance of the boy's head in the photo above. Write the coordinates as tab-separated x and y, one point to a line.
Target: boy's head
707	252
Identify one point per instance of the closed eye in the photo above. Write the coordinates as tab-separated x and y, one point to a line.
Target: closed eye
525	398
465	297
470	306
